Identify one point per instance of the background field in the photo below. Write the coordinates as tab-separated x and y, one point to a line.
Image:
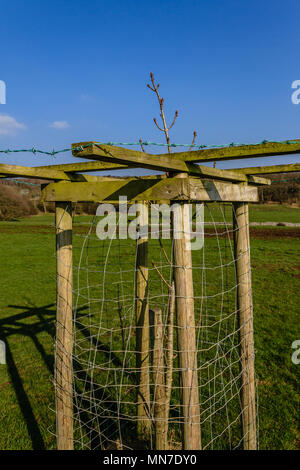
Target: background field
27	315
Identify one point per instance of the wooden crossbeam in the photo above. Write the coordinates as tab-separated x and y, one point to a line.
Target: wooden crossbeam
264	170
112	154
106	166
150	189
244	151
86	166
258	180
43	173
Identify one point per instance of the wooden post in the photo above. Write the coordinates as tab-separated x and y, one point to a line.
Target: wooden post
159	382
64	337
245	312
184	292
142	331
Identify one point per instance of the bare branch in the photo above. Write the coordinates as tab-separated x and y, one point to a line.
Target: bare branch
160	275
175	117
141	144
123	329
152	80
162	114
194	138
164	251
155	121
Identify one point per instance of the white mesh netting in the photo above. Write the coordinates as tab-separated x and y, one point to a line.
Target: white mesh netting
111	407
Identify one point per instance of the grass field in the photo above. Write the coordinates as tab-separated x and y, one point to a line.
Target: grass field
27	315
274	213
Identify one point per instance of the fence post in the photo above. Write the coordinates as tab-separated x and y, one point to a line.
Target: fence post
142	329
245	313
64	327
184	292
159	394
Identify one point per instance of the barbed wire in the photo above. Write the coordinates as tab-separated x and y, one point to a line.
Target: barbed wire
50	153
54	152
79	148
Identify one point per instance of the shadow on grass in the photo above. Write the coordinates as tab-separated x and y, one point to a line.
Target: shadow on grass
29	323
18	325
92	419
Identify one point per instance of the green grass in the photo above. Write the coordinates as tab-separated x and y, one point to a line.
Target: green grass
274	213
27	315
259	213
27	285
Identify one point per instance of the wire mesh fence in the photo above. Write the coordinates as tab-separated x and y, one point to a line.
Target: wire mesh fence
128	376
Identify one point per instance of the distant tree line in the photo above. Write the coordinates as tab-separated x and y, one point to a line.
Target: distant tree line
14	204
19	200
285	189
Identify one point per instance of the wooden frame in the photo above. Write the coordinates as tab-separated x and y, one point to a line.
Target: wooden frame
237	152
185	181
150	189
109	154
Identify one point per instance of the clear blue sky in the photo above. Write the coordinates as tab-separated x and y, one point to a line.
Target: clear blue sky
227	66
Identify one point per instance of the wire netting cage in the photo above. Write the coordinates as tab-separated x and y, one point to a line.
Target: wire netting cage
140	374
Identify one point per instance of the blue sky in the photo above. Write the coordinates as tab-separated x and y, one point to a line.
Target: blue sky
227	66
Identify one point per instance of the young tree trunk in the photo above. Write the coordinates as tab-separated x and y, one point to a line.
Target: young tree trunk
159	381
142	333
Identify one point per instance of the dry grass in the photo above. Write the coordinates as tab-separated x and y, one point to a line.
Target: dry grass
13	204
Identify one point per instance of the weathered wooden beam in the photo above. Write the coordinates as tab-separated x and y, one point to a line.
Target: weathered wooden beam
258	181
265	149
243	151
150	189
79	177
70	176
86	166
28	172
71	168
45	173
264	170
164	163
